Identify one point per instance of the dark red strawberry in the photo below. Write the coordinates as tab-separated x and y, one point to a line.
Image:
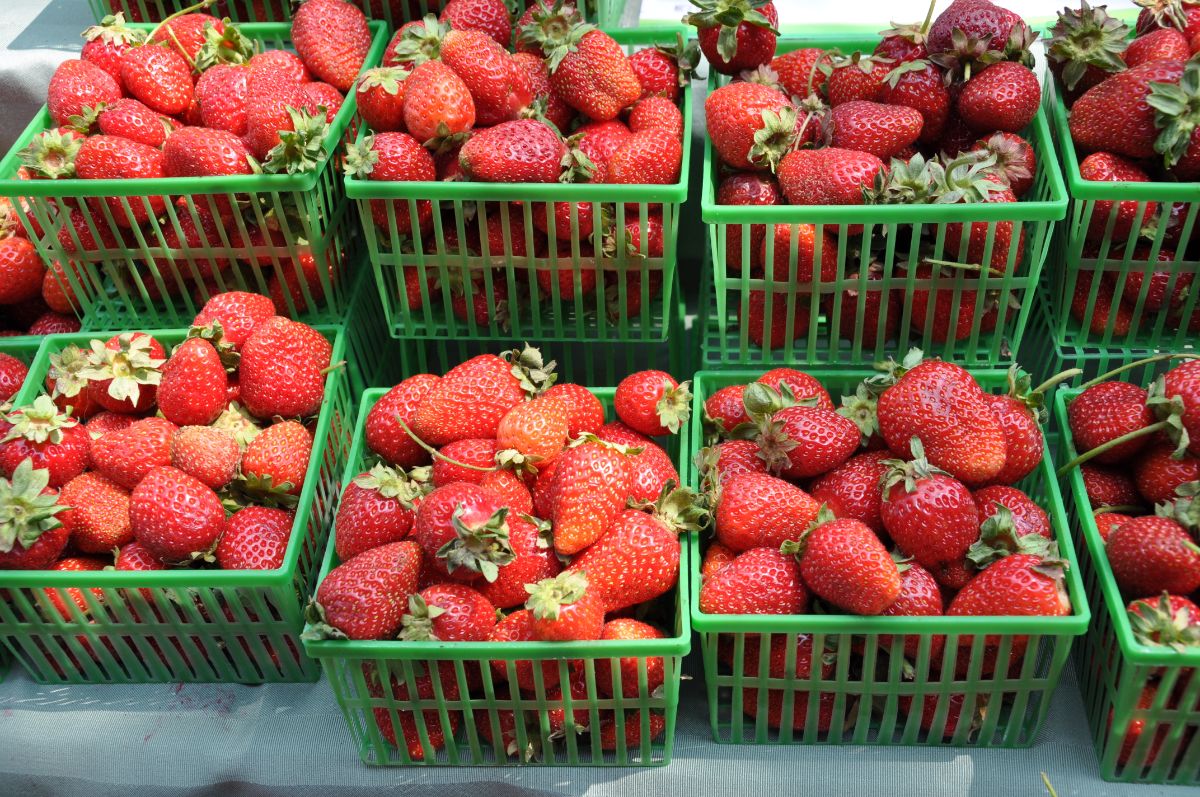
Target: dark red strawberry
759	581
735	35
855	489
53	441
844	564
365	598
746	189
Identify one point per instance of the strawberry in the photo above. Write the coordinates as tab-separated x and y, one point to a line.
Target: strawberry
758	581
722	462
591	483
323	95
857	77
97	517
472	398
399	727
510	488
54	324
287	64
844	563
1131	133
1164	44
919	84
881	130
590	71
585	413
126	118
1015	160
1019	585
1158	473
106	43
365	597
221	93
656	113
31	537
1160	293
1105	412
599	140
21	270
124	372
76	85
715	558
979	19
725	409
628	669
207	453
377	507
854	489
463	531
270	93
533	560
176	516
1170	620
192	390
115	158
380	97
778	250
187	34
1106	167
554	108
499	88
1025	516
1150	555
735	35
55	442
12	376
159	77
1104	316
126	455
785	320
778	669
828	176
200	152
237	313
79	598
651	157
746	189
800	72
438	103
652	403
466	460
652	468
566	607
532	431
931	516
137	558
1107	522
394	157
751	126
1004	96
1181	385
518	627
255	538
448	613
800	441
278	373
276	461
332	38
522	151
661	70
920	596
489	16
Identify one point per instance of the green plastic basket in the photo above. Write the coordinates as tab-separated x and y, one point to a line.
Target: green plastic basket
142	281
868	694
606	13
183	625
436	257
1084	269
482	698
23	347
373	358
826	330
1114	668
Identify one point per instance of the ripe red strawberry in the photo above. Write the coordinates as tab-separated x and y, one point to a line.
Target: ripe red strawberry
207	453
33	538
1015	160
238	313
1132	133
80	599
1164	44
591	484
736	36
332	38
722	462
651	469
12	376
124	372
1108	522
854	489
448	613
510	488
746	189
759	581
591	72
98	514
269	95
472	397
462	529
1026	516
521	151
651	156
380	97
176	516
323	95
660	71
979	19
857	77
159	77
187	34
1004	96
656	113
200	152
76	85
106	43
466	460
801	442
438	103
628	669
276	461
919	84
1182	381
725	408
255	538
585	413
533	560
599	140
1104	412
789	269
533	431
278	373
499	88
115	158
779	670
21	271
1106	167
920	596
785	320
556	110
221	93
66	383
751	126
652	403
192	390
1150	555
394	157
828	176
53	441
882	130
797	74
1166	620
932	517
54	324
377	507
716	557
126	455
1158	473
365	597
399	727
565	608
1019	585
844	563
518	627
126	118
490	16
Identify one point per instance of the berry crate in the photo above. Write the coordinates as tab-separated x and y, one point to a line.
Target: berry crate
418	276
141	277
351	665
183	625
23	347
1096	262
606	13
1115	670
871	696
819	323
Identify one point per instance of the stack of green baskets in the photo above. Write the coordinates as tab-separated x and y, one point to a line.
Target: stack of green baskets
395	12
830	331
872	696
354	667
419	276
145	281
183	625
1114	668
1081	268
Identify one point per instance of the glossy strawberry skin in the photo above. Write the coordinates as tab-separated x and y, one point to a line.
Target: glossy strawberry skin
520	151
1028	517
200	152
734	114
175	515
796	72
827	176
635	561
628	668
65	460
98	518
1151	555
221	93
238	312
127	455
367	519
758	581
114	158
755	44
725	407
437	96
585	413
76	84
590	486
920	596
255	538
533	562
192	390
744	188
1004	96
159	77
845	564
581	619
467	616
882	130
475	453
433	527
824	440
208	453
469	401
657	72
854	490
366	597
1024	444
596	78
1158	473
925	91
518	627
1184	381
849	83
279	374
935	524
1010	587
1105	412
332	38
651	156
1131	133
761	511
1107	167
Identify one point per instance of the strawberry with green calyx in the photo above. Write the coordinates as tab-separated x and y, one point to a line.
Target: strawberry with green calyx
66	386
751	126
124	372
653	403
1171	620
1003	96
448	613
827	176
51	154
1085	47
799	441
735	35
380	97
916	181
1018	585
519	151
301	149
1111	421
1015	160
533	558
906	42
844	563
532	433
225	46
666	68
378	507
860	409
1022	413
105	43
365	597
965	56
591	483
565	608
239	424
1158	552
274	465
999	537
1176	110
31	537
463	531
76	84
854	77
1132	133
53	440
591	72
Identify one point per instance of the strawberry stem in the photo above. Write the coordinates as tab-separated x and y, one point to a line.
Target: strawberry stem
1119	509
1070	373
928	17
1155	359
433	452
963	266
1116	441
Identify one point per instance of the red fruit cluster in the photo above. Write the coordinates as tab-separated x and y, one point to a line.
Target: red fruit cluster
899	503
190	458
925	118
506	508
31	301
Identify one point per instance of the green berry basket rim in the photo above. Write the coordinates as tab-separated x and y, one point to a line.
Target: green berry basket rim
185	577
11	185
1098	189
1052	209
395	650
26	344
469	191
1135	651
1074	624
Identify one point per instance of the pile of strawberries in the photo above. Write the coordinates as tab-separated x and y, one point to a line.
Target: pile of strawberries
452	102
195	459
1131	106
31	303
898	502
194	98
504	507
933	116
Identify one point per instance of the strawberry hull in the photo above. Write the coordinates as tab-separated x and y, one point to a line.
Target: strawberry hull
866	303
167	626
469	705
285	230
1116	671
865	694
